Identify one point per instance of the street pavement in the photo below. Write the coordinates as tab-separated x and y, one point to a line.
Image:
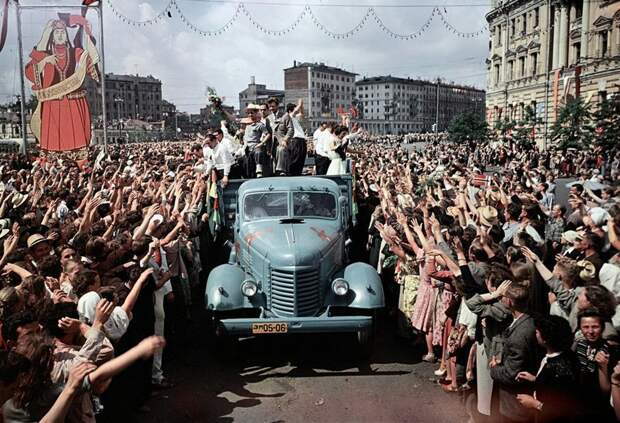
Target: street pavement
310	378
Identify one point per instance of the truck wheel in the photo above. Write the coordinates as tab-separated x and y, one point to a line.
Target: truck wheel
224	345
366	340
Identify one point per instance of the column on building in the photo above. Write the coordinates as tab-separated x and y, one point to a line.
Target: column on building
556	37
585	28
564	25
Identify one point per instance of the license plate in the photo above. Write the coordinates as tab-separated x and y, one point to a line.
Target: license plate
269	327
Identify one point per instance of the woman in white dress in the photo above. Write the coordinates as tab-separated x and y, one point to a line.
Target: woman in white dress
335	148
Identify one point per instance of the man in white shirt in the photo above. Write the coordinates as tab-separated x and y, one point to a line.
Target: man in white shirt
218	158
225	140
320	155
297	148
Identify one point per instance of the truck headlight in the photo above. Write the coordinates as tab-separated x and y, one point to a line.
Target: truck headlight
249	288
340	287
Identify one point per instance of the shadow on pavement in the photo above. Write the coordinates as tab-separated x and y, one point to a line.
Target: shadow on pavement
210	387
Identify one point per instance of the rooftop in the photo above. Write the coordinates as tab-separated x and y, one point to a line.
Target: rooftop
320	67
131	78
397	80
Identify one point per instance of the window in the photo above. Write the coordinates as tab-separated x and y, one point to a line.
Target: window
576	52
604	43
496	72
521	67
314	204
534	60
513	27
511	70
265	205
536	17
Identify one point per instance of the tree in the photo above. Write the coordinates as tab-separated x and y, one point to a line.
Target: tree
607	119
573	127
469	126
504	128
524	134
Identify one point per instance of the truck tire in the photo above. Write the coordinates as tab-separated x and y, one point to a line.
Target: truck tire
366	340
224	345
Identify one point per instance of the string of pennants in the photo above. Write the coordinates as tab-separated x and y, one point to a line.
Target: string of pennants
371	14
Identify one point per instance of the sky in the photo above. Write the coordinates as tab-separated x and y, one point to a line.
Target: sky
187	62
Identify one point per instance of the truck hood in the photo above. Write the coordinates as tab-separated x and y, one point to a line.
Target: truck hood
291	244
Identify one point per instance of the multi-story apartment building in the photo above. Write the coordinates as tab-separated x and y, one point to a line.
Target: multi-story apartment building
391	105
544	52
258	94
325	90
126	97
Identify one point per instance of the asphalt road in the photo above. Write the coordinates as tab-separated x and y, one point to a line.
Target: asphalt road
310	378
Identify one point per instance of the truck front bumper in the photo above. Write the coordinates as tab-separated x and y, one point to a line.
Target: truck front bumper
335	324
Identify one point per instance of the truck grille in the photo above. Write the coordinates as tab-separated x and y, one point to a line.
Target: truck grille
295	293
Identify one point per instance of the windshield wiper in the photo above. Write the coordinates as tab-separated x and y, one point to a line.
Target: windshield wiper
292	220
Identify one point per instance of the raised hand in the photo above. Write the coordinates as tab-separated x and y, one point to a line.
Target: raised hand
103	311
530	255
150	346
502	289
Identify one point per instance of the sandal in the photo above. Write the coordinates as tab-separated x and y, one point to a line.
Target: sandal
450	389
440	371
465	387
429	358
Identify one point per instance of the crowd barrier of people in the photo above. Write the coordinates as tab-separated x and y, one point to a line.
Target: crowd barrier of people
509	291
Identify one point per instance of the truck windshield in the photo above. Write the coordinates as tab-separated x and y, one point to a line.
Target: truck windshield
314	204
265	205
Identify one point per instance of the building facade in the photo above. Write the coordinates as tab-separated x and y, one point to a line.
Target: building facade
542	53
258	94
126	97
325	90
391	105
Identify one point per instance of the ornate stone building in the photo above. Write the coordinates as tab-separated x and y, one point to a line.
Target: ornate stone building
544	52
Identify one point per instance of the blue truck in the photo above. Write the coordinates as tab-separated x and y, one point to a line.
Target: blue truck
288	270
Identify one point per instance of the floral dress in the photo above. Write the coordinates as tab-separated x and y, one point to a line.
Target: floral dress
409	282
423	310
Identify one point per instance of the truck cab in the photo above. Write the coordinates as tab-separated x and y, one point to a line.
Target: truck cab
288	270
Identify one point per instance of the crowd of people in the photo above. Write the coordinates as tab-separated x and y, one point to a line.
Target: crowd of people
508	289
511	289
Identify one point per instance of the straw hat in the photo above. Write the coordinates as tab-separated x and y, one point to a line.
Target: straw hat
599	216
588	270
487	215
18	199
571	236
35	239
5	223
253	106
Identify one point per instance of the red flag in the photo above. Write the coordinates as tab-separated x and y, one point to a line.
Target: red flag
88	2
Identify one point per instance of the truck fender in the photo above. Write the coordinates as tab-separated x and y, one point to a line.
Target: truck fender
365	288
223	291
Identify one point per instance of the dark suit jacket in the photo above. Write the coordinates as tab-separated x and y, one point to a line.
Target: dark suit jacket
556	388
519	355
